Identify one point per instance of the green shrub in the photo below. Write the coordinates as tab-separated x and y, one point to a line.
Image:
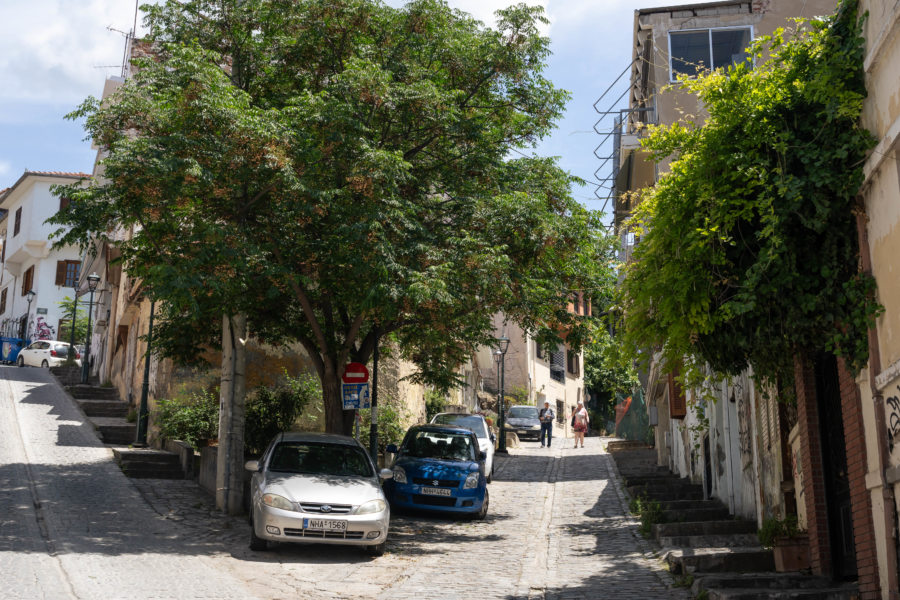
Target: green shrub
189	419
773	528
391	427
271	410
435	402
649	511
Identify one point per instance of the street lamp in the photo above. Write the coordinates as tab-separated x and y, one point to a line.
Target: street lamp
500	354
93	279
29	295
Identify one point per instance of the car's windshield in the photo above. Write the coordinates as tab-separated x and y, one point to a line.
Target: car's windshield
523	412
440	445
320	459
471	422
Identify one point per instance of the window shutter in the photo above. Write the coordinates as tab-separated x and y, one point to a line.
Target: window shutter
2	302
61	272
63	203
18	223
677	401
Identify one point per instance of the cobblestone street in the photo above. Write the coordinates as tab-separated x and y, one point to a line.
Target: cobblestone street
72	526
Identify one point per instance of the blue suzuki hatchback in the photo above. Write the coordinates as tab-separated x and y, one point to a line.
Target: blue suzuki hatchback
439	468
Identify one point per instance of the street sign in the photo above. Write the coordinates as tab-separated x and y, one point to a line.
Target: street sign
355	395
355	373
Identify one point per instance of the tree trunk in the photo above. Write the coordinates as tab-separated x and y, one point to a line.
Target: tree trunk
230	458
337	420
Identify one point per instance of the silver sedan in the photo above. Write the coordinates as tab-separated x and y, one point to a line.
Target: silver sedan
317	487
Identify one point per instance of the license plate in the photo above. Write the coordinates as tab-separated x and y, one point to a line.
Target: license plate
429	491
325	524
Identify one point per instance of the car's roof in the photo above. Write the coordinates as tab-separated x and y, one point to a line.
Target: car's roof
441	428
311	436
455	415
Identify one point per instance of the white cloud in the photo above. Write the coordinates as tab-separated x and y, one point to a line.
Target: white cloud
4	168
50	50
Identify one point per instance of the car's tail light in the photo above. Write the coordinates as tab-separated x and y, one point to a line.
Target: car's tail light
78	355
53	353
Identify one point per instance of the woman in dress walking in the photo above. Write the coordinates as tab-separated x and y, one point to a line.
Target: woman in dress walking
580	422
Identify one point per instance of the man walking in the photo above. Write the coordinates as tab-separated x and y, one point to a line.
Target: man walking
546	418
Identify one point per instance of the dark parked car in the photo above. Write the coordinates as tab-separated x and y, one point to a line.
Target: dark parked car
523	420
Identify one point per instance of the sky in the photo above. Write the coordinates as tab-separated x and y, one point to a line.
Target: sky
56	53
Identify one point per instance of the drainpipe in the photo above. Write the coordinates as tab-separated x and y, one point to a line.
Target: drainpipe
890	514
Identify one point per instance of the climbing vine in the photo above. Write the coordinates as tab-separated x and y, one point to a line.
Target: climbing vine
748	248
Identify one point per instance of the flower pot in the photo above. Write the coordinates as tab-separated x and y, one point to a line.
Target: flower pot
791	553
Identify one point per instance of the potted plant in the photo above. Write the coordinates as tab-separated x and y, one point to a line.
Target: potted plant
789	544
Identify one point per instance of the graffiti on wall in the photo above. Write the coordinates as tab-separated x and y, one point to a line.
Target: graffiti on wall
43	330
893	419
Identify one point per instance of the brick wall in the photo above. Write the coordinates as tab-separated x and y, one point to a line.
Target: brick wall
863	528
811	462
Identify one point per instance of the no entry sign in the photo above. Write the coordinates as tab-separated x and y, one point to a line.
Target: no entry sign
355	373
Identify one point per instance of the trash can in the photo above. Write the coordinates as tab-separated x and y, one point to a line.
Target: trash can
9	349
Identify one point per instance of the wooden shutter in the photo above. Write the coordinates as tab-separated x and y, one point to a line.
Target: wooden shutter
18	223
61	271
2	302
63	203
677	401
27	280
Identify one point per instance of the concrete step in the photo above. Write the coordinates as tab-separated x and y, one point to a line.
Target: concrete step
696	514
691	528
103	408
148	463
93	392
710	540
689	504
761	581
118	432
651	479
832	593
705	560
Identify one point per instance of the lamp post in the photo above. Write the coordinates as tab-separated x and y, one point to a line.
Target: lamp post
502	347
93	279
143	412
29	295
72	326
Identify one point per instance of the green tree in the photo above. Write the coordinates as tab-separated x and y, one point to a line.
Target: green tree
66	306
748	251
337	172
608	370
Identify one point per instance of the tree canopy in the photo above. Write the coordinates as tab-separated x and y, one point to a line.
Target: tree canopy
748	250
340	171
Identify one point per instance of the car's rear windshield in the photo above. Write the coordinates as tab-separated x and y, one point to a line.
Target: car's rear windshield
473	423
523	412
320	459
61	348
440	445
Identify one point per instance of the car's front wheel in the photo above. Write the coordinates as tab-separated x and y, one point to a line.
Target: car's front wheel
481	514
375	549
490	476
20	362
45	364
256	542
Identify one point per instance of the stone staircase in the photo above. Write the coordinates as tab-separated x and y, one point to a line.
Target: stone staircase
720	555
109	416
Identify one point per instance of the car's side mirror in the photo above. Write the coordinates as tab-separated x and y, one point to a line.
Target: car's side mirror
252	465
493	437
386	474
392	448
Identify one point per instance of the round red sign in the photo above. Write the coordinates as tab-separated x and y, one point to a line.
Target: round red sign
355	373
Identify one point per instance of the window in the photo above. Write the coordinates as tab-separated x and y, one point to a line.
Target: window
18	224
572	360
3	302
67	272
558	365
27	280
700	49
677	400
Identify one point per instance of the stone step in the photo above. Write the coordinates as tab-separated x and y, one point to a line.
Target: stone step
705	560
766	581
149	471
832	593
118	432
691	528
651	479
696	514
103	408
689	504
145	455
148	463
93	392
709	540
675	492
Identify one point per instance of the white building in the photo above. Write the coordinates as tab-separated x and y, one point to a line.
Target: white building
29	261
